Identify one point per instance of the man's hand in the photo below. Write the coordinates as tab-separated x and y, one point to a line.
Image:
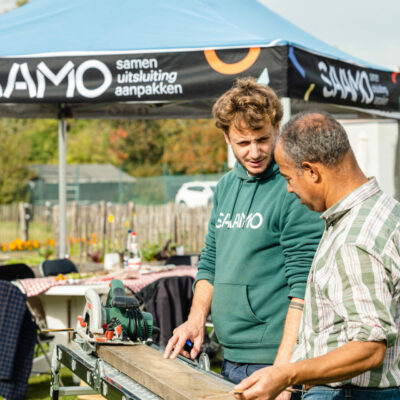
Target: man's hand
189	330
285	395
265	384
193	328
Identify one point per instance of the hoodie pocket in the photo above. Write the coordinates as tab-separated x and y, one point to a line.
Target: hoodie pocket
234	320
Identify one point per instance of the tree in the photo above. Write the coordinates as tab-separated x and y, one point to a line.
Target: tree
88	142
42	135
14	155
194	147
138	146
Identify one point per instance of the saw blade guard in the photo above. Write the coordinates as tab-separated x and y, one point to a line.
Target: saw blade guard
94	314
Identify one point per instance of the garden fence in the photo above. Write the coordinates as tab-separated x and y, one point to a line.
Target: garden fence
95	229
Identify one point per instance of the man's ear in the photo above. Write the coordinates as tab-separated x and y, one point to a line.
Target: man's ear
312	171
227	139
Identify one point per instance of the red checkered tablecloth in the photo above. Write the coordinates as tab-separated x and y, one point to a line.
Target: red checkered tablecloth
36	286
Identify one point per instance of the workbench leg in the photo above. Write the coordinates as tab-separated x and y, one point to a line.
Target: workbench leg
55	376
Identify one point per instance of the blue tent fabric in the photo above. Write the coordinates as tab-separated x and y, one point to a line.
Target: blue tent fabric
74	26
168	59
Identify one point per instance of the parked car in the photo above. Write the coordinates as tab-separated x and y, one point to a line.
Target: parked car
196	193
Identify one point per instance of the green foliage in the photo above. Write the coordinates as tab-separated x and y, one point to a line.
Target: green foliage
144	148
30	259
39	386
42	135
138	146
194	147
22	2
88	142
14	155
149	251
46	251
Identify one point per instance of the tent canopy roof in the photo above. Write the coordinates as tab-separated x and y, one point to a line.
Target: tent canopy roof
78	53
82	26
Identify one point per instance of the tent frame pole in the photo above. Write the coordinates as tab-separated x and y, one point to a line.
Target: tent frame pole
62	184
287	110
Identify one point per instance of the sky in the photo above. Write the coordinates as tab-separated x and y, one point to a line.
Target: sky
367	29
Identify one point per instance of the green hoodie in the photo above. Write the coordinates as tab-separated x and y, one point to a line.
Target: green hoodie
259	249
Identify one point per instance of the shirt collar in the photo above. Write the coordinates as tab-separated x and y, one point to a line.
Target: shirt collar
357	196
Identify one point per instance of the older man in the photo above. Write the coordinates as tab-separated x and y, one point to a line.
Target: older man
348	342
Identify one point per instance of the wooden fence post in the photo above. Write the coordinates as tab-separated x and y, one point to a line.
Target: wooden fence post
23	221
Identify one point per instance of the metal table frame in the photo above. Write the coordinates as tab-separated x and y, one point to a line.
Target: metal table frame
102	378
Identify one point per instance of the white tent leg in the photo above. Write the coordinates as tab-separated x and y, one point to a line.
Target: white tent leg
397	166
62	186
287	112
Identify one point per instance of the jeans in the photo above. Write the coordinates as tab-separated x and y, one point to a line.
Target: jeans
236	372
322	392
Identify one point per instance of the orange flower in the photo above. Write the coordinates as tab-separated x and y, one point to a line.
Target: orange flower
5	248
51	242
35	244
19	244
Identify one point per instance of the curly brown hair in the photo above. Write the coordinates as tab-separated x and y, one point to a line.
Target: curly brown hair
250	102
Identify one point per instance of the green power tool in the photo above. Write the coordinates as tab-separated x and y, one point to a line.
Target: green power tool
119	321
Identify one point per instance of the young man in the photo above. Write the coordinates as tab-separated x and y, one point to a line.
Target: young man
349	334
259	247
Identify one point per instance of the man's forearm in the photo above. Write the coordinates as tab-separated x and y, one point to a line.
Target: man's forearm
201	303
347	361
290	330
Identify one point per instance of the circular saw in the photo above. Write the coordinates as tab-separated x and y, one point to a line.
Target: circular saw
119	321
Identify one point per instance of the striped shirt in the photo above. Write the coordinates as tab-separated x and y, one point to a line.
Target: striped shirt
354	283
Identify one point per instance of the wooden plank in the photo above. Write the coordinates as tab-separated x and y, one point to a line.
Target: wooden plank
169	379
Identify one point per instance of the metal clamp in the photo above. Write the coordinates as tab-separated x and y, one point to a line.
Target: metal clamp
98	374
204	362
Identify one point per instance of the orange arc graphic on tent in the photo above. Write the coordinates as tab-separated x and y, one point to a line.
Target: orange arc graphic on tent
235	68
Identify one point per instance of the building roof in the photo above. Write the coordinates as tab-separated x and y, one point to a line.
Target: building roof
83	173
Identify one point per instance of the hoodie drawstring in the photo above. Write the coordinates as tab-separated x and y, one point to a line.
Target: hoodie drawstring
237	195
252	198
239	188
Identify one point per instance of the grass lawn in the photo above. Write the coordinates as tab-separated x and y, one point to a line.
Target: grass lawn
39	386
37	230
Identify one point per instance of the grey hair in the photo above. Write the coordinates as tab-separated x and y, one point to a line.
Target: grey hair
314	137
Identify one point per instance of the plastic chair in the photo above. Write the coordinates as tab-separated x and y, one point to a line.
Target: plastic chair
56	267
11	272
184	259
